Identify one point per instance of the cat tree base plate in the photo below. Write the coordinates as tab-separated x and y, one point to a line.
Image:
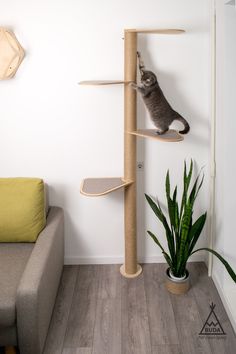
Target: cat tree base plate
127	275
170	136
95	187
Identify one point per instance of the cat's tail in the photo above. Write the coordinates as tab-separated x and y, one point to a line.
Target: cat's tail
185	123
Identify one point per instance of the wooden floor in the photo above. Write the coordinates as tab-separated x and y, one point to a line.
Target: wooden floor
98	311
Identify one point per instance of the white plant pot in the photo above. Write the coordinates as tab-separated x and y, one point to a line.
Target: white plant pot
178	279
177	285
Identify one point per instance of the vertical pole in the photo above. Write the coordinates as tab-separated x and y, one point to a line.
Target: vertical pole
130	269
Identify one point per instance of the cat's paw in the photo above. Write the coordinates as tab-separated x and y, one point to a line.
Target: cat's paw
161	132
133	85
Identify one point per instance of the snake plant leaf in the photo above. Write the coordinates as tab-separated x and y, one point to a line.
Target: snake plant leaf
181	271
195	232
186	182
169	233
176	220
191	198
172	212
175	194
158	212
155	240
167	257
184	194
172	206
168	184
185	224
169	201
225	263
176	210
177	233
200	185
195	189
170	238
184	253
156	208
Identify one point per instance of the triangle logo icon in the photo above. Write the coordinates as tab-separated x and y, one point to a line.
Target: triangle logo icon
212	326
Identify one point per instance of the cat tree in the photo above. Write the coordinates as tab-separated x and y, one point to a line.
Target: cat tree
101	186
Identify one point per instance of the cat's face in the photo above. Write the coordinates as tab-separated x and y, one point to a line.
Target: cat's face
148	78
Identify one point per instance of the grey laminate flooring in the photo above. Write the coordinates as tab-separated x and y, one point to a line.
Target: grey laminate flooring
97	311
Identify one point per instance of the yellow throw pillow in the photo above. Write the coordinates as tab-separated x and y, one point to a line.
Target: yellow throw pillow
22	209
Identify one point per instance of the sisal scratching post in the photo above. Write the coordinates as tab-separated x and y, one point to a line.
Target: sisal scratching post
130	269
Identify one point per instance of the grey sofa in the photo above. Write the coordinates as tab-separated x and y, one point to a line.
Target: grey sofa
29	278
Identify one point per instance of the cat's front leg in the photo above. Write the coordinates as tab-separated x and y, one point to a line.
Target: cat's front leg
137	87
133	85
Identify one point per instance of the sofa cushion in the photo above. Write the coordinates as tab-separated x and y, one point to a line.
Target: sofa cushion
22	209
13	259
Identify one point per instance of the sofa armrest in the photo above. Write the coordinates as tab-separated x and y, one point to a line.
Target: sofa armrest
39	283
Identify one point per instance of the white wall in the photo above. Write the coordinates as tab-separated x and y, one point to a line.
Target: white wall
225	241
55	129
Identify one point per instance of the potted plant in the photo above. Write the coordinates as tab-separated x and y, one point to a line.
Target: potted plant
182	233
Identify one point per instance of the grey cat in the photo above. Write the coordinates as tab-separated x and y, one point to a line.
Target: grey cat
161	113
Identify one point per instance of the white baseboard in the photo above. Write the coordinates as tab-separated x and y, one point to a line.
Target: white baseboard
120	259
226	304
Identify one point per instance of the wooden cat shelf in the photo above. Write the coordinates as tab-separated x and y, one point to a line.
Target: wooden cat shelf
95	187
171	136
156	31
11	54
102	186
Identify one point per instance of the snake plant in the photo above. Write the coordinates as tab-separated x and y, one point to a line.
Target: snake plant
182	233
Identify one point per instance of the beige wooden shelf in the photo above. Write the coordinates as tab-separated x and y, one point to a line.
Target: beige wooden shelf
156	31
170	136
95	187
103	82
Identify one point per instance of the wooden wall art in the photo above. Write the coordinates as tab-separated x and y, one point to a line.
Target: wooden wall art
11	54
